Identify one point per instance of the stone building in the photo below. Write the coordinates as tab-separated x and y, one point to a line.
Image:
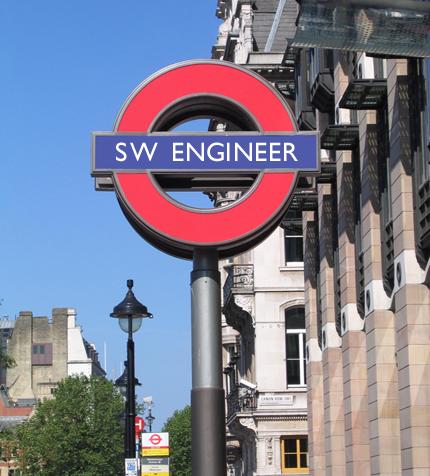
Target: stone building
367	236
366	229
46	351
263	289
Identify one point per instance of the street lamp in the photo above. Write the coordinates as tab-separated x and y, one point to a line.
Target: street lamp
121	381
150	419
122	384
130	313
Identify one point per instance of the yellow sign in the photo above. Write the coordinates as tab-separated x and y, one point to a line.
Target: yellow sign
164	473
155	451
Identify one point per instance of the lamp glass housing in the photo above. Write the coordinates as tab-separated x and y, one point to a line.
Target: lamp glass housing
136	323
123	390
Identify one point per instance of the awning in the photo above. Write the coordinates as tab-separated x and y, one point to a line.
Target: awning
380	27
328	173
339	138
364	94
303	201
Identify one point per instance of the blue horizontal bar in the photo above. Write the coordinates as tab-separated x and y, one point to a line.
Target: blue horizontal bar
185	152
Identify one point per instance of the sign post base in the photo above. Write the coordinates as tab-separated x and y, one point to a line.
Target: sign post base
207	395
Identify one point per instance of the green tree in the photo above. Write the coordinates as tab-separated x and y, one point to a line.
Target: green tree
179	428
6	362
78	432
8	447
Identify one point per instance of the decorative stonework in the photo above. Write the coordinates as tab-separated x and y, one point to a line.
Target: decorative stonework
248	423
239	298
247	304
283	418
244	45
269	451
240	277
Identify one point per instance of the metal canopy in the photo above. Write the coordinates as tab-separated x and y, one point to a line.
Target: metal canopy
328	172
339	138
398	28
304	201
362	94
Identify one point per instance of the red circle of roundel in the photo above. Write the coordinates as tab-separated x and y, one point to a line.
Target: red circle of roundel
155	439
179	229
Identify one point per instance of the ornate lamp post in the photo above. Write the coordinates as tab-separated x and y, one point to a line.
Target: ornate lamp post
150	419
130	313
122	384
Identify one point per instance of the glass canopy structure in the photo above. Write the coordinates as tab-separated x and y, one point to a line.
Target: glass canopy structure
379	27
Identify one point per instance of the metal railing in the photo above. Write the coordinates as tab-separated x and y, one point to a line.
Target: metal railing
240	401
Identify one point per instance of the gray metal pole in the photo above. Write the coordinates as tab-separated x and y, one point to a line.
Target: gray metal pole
207	394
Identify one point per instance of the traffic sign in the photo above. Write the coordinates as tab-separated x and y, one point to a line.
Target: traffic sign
155	444
139	425
154	466
141	161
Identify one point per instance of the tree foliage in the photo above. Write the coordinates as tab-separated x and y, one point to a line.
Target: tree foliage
6	361
179	428
8	446
78	432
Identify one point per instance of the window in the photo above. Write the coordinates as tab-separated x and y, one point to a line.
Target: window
294	454
38	348
42	354
293	236
295	346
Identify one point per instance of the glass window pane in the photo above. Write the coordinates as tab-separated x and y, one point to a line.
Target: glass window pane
303	445
293	346
293	249
304	370
304	460
293	372
386	31
291	460
290	445
295	318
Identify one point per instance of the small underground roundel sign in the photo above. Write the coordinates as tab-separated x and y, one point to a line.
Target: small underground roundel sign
260	153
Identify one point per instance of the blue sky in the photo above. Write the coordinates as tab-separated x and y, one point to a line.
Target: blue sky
66	68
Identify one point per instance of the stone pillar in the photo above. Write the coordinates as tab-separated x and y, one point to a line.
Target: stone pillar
332	353
351	327
19	379
60	318
383	410
315	394
411	296
413	356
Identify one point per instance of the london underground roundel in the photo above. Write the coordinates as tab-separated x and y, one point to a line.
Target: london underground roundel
141	158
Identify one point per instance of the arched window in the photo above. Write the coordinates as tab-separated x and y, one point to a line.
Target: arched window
295	346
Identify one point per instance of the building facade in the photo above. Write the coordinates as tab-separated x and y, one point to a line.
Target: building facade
45	352
366	228
264	359
263	289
